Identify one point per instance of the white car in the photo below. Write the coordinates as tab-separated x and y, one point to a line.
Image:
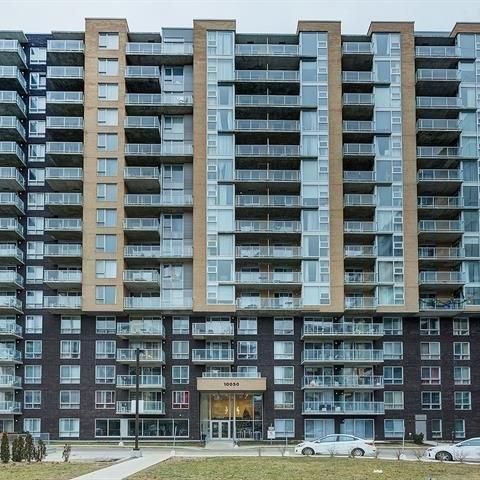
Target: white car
468	450
337	445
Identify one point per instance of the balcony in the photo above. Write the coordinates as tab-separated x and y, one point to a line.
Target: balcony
360	303
11	229
270	126
361	102
10	254
343	408
442	153
441	305
64	203
141	280
10	356
11	78
368	382
11	179
145	407
62	303
287	151
359	150
438	74
63	252
267	102
442	278
69	154
146	382
268	226
141	329
437	52
65	128
142	228
65	52
273	252
11	204
273	76
12	104
158	303
138	152
142	128
142	179
202	356
357	48
276	50
357	55
441	226
64	178
213	329
438	130
432	104
358	130
437	81
274	201
446	181
360	278
359	227
341	356
269	303
9	330
11	279
158	103
342	329
11	155
65	78
9	304
264	279
11	129
439	202
357	77
162	251
65	103
441	253
143	203
360	251
262	176
359	200
152	356
10	408
359	176
10	382
62	279
12	53
148	52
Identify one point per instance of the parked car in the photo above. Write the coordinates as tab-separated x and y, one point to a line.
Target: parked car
337	445
468	450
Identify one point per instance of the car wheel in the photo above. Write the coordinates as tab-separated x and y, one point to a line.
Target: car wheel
308	451
358	452
444	456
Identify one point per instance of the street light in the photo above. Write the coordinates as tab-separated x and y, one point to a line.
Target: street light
138	351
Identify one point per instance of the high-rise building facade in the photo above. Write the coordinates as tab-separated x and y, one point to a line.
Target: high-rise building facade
285	225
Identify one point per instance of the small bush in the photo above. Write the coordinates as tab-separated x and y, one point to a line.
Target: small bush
417	438
5	449
67	450
17	449
40	451
28	448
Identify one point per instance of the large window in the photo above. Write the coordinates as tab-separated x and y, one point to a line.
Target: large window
107	142
33	374
33	324
70	349
283	326
70	399
430	350
32	426
393	428
180	350
70	325
69	373
108	40
283	350
109	427
392	326
180	374
393	400
181	325
107	66
108	91
431	400
104	399
105	295
393	375
429	326
69	427
461	375
284	428
105	325
284	400
105	349
107	116
105	269
393	350
32	399
105	374
33	349
106	243
247	326
461	326
283	375
431	375
461	351
247	350
463	400
107	167
181	399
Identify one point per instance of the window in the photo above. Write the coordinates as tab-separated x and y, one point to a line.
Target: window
108	91
70	324
106	192
393	350
284	400
32	399
436	428
106	243
105	295
392	326
107	167
35	226
181	325
109	427
283	350
105	349
33	374
459	428
180	350
70	399
34	250
173	76
107	116
393	400
430	350
463	400
108	41
33	324
34	274
36	152
105	374
431	400
247	350
105	325
107	66
180	374
282	326
393	428
431	375
393	375
38	81
429	326
36	128
461	350
35	201
38	56
70	349
37	104
69	373
461	375
283	375
33	349
107	142
106	268
247	326
181	399
285	428
69	427
461	326
106	217
36	176
104	399
32	426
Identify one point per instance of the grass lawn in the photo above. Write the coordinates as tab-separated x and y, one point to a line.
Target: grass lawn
47	470
304	468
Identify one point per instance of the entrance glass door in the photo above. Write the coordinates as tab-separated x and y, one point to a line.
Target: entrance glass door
220	429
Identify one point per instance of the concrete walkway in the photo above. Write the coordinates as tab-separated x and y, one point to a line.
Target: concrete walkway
122	470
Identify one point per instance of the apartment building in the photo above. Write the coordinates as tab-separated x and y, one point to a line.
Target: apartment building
285	225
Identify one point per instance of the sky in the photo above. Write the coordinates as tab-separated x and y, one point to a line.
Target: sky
38	16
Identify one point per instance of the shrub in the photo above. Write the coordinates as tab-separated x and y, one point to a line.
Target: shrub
17	449
5	449
67	450
28	449
417	438
40	451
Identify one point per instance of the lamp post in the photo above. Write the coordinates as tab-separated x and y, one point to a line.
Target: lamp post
136	449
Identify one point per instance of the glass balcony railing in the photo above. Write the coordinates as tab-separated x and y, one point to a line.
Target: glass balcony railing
238	374
65	123
268	100
63	173
343	381
75	98
342	328
359	200
439	102
442	277
62	276
269	303
152	150
267	75
141	173
11	199
359	227
438	74
11	250
268	252
146	355
213	329
437	51
164	48
439	175
12	148
139	328
441	152
11	277
65	72
62	302
142	71
160	200
141	224
268	277
268	125
441	226
9	303
265	226
344	408
144	407
13	72
9	407
354	303
357	77
142	122
441	304
145	381
63	199
359	277
158	99
268	201
65	46
439	202
13	46
156	303
63	224
10	354
267	150
141	276
362	176
353	355
359	149
157	251
62	250
212	355
441	253
11	225
267	175
64	148
357	48
442	124
10	122
8	96
9	328
358	99
360	251
264	49
10	381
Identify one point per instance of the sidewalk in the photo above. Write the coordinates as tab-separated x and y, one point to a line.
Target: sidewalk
123	470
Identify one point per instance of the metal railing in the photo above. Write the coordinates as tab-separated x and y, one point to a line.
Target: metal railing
439	124
157	200
437	51
439	102
7	45
441	252
10	354
344	355
442	152
11	225
10	381
148	381
441	226
328	408
146	355
141	173
64	148
238	374
140	328
360	277
12	277
157	251
62	302
345	381
359	227
156	303
63	224
12	148
441	304
361	176
13	72
354	303
342	328
144	224
273	226
12	122
10	407
11	328
442	277
269	303
439	202
65	72
142	71
60	276
144	406
267	175
164	48
141	122
141	276
65	122
7	96
152	149
213	328
63	199
359	149
357	77
11	198
158	99
268	200
359	251
11	250
267	75
268	125
357	47
358	99
359	199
